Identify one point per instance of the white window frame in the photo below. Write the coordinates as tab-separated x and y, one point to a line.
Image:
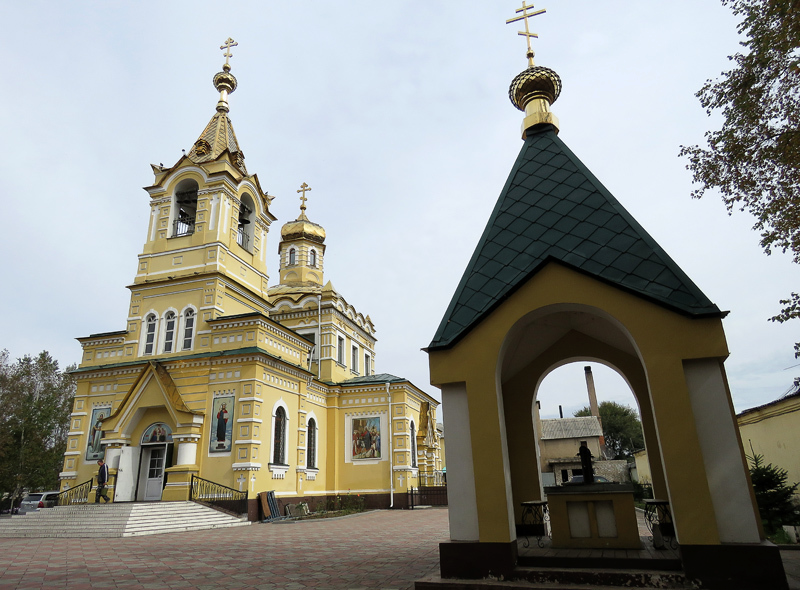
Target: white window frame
182	332
413	430
313	464
367	364
341	357
146	333
163	332
279	466
354	353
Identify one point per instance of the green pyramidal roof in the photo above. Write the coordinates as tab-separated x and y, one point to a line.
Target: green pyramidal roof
553	209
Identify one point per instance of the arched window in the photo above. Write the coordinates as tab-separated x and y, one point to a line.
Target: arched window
413	445
188	328
244	235
312	258
292	256
185	207
150	333
169	331
279	437
311	449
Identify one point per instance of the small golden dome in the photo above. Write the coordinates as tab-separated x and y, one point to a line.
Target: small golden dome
535	82
303	228
224	80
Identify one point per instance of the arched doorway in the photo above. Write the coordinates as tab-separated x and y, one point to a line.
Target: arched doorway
156	456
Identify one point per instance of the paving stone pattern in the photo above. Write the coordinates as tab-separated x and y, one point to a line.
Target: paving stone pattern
376	550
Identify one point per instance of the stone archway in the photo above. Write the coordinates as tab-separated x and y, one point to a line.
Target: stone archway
539	343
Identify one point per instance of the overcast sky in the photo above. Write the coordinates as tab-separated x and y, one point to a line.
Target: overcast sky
397	115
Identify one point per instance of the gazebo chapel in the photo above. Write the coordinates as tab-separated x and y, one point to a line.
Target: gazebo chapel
218	375
563	273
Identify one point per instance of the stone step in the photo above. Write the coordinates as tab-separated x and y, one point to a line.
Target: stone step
116	520
563	580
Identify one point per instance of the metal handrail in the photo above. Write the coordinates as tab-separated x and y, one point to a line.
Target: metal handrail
77	495
218	496
183	227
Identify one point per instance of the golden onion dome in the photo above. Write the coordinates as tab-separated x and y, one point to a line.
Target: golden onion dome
535	82
303	228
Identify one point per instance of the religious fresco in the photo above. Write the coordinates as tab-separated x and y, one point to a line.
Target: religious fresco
366	438
157	433
221	424
94	449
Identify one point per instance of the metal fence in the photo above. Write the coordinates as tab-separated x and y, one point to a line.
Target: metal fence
77	495
427	496
213	494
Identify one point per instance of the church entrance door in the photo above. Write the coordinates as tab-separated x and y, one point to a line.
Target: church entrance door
154	482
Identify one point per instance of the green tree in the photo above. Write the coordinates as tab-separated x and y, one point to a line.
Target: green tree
774	496
754	159
36	398
622	428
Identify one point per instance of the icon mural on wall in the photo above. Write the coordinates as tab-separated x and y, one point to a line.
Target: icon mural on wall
94	449
366	438
221	424
157	433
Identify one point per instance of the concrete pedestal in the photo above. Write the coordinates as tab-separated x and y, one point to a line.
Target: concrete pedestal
593	516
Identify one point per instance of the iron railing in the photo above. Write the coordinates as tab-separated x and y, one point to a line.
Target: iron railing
218	496
242	238
183	227
77	495
427	496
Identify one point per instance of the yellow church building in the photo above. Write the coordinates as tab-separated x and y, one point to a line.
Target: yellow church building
220	376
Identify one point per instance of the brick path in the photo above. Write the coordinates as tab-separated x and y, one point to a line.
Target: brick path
376	550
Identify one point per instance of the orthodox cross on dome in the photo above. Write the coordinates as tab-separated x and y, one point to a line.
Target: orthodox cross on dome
231	43
303	198
527	33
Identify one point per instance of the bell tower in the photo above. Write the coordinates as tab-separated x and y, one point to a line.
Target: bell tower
302	249
205	251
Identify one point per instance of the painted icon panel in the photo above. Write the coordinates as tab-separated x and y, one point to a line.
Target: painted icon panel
366	438
157	433
221	424
94	449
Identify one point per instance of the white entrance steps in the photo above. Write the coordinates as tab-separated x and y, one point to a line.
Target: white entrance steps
126	519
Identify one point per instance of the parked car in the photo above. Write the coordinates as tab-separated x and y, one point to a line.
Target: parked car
597	479
37	501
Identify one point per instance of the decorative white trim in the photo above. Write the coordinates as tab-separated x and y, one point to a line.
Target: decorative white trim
249	441
278	471
247	467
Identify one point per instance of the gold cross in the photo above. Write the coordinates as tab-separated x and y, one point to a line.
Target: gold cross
227	47
526	33
303	188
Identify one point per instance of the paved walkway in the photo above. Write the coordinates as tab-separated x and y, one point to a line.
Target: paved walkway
372	551
375	550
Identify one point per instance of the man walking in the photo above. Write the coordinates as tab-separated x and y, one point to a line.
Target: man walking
102	480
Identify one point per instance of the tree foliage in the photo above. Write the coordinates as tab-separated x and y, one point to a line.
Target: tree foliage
754	159
774	496
36	398
622	428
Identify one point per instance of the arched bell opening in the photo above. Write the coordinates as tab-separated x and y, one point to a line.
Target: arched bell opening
244	231
541	342
184	207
